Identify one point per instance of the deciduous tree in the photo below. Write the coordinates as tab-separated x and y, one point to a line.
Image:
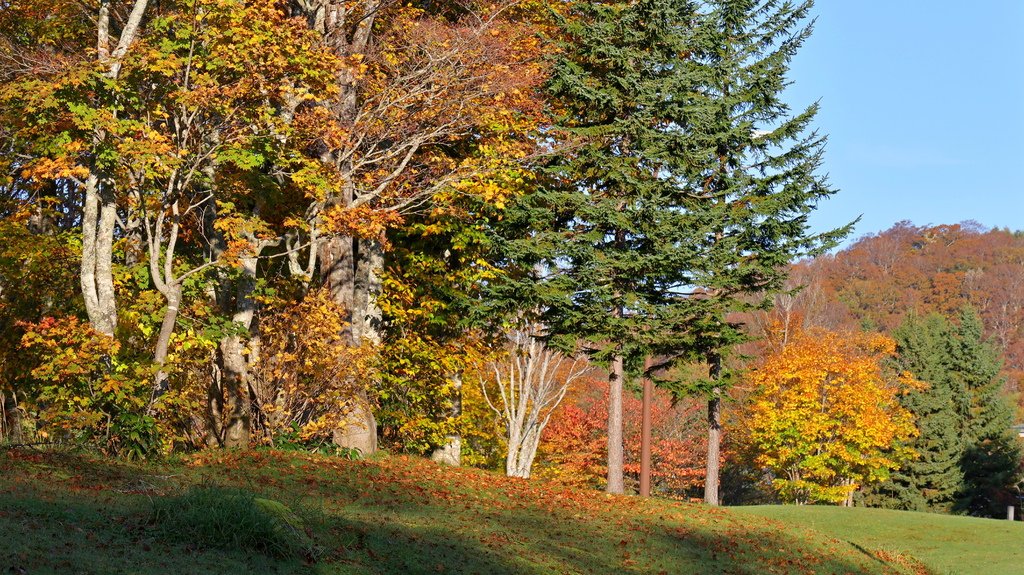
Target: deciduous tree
826	418
530	380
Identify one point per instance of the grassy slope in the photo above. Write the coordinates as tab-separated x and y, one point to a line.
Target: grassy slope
76	514
954	545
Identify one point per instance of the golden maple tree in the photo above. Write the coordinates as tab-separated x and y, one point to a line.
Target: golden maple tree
825	416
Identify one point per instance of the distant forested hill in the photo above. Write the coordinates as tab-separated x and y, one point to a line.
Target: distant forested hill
881	278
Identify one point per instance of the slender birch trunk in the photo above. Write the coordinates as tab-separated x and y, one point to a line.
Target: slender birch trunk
714	435
616	481
99	213
99	217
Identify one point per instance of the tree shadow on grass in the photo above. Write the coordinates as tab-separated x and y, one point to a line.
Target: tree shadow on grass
48	528
71	535
72	470
396	544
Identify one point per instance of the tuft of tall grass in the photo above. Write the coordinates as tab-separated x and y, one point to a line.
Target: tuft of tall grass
226	518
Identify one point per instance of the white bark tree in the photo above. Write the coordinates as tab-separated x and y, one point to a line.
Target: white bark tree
99	212
531	382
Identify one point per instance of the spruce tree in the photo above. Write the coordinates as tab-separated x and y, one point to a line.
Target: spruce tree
974	369
929	482
991	458
681	187
617	244
748	168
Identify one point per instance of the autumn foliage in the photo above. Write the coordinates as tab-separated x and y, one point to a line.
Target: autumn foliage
883	278
825	418
83	390
237	223
306	373
573	449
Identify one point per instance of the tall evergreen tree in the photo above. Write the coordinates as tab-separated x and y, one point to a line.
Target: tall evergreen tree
748	169
991	459
619	246
931	481
682	186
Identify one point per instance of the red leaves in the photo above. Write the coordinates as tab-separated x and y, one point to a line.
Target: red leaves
575	441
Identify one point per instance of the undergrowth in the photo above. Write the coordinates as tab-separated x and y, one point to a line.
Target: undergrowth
215	517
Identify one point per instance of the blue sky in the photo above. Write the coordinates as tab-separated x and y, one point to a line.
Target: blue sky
923	103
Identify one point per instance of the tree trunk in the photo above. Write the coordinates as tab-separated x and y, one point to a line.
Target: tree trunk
451	452
234	375
513	459
366	315
99	213
519	462
714	433
361	268
234	360
359	428
848	502
616	482
338	270
215	404
714	449
10	419
645	435
163	340
99	216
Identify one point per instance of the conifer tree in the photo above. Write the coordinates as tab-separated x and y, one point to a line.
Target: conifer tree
991	459
682	186
748	168
929	482
618	247
974	369
968	459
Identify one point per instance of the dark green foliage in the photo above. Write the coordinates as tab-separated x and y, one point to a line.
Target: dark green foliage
969	460
974	371
134	436
683	185
992	470
620	241
991	459
228	518
930	481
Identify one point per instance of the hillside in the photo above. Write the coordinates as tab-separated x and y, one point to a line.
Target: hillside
78	514
947	544
881	278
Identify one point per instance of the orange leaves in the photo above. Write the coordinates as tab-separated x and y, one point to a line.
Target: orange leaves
72	349
79	386
575	442
306	373
360	222
47	169
825	415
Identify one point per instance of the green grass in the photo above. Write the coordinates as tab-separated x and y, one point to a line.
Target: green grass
946	544
75	514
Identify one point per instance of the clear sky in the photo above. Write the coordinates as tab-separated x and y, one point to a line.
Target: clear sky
923	103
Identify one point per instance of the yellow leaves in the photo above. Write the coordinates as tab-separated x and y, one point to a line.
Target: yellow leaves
307	372
826	414
356	65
